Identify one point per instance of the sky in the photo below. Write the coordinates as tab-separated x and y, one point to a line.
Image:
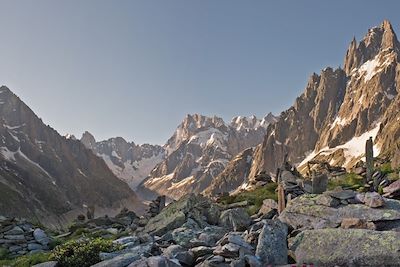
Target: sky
136	68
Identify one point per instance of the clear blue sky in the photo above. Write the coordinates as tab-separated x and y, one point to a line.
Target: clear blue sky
136	68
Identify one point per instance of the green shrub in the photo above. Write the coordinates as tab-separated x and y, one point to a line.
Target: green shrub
347	181
26	261
81	253
54	243
3	254
254	198
386	168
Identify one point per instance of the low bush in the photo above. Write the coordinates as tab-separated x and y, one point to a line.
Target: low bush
25	261
347	181
254	198
82	253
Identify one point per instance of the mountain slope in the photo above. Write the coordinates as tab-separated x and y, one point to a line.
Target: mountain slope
199	151
49	177
340	109
337	112
128	161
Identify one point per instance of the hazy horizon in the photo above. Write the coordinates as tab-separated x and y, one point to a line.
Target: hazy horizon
136	68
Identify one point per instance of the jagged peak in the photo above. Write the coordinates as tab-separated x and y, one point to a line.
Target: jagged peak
376	40
88	139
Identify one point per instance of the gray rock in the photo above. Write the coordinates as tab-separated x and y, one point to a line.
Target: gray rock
319	183
139	250
172	250
238	263
236	219
229	250
119	261
357	247
373	200
235	238
155	261
15	231
185	257
342	194
272	244
35	246
267	206
252	261
161	261
47	264
174	215
328	201
304	212
14	248
15	237
131	240
41	237
182	236
201	251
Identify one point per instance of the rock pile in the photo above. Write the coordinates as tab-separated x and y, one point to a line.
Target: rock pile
193	231
20	237
196	232
156	206
334	208
125	221
393	190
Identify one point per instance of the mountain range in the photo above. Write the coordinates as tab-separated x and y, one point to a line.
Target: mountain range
47	177
52	177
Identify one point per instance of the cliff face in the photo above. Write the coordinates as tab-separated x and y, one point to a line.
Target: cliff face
46	175
199	151
340	109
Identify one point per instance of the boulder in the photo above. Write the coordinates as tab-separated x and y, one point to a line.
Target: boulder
342	194
119	261
41	237
47	264
373	200
304	212
229	250
392	189
185	257
236	219
155	261
175	214
201	251
16	230
272	243
347	247
356	223
327	200
267	206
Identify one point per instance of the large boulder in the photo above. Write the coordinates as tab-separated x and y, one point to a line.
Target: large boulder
347	247
235	219
272	243
308	212
197	207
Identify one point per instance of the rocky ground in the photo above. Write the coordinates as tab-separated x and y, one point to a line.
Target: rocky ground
336	228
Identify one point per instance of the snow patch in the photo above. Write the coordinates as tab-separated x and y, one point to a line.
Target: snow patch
354	148
81	172
339	121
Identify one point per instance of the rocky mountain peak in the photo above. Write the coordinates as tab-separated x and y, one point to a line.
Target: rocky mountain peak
377	39
88	139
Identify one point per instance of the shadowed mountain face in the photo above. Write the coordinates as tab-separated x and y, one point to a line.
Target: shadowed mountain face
47	176
340	109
